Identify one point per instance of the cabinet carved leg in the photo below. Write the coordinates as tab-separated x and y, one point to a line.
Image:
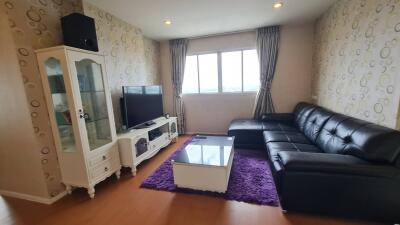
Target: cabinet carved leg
118	174
91	192
134	171
69	189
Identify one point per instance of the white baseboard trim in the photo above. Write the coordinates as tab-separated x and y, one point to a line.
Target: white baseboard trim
204	133
33	198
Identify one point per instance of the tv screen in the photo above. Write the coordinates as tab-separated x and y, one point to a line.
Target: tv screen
141	104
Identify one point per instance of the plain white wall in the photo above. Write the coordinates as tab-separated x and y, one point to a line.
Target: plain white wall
212	113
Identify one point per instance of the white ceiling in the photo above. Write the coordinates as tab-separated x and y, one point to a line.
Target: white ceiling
192	18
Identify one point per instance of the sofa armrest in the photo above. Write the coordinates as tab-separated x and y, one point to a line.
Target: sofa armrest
278	117
334	164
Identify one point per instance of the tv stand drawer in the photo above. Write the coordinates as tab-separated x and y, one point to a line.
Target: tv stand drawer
159	141
130	141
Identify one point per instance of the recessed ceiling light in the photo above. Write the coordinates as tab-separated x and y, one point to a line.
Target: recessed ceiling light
278	5
167	22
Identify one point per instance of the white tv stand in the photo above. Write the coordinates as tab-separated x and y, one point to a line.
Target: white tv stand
137	145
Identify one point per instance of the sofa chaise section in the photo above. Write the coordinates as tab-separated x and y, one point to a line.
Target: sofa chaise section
329	163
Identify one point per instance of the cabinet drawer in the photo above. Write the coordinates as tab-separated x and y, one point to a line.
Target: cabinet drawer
100	158
160	141
103	168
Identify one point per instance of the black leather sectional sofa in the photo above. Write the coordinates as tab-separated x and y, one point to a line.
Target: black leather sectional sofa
328	163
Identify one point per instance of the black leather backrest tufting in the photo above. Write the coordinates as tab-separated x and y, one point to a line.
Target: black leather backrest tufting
398	161
302	111
345	135
332	135
315	122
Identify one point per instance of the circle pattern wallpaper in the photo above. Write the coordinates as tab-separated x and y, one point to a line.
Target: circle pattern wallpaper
357	59
36	24
131	58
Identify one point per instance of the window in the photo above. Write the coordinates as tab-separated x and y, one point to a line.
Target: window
251	71
208	73
231	71
191	78
235	71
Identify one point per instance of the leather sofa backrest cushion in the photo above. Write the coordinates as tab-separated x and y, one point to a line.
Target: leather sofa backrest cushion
398	162
346	135
329	140
315	122
377	143
301	112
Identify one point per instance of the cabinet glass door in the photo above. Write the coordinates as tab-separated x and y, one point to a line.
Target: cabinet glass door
94	105
61	107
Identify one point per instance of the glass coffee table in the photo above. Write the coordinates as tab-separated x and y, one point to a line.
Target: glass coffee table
205	163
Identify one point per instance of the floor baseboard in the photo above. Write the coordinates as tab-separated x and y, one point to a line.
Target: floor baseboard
33	198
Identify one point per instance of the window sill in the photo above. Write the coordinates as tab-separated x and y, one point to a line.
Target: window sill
220	93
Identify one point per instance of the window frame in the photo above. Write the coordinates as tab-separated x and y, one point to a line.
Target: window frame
219	64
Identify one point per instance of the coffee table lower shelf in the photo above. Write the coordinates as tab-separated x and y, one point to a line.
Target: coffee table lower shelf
202	177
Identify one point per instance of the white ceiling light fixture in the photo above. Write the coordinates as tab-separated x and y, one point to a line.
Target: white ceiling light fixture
168	22
278	5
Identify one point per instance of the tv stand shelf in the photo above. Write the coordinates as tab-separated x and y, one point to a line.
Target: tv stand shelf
138	145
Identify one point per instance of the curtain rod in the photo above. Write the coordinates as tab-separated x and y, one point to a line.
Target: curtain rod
219	34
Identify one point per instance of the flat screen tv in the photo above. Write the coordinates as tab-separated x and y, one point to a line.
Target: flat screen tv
140	105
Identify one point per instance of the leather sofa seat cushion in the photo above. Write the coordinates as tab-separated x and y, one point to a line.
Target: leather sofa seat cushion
274	148
277	126
334	163
245	125
282	136
345	135
315	123
301	112
248	133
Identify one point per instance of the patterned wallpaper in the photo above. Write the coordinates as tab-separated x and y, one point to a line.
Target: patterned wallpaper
357	60
35	24
131	58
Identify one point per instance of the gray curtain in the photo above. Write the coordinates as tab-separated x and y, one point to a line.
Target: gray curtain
178	49
267	49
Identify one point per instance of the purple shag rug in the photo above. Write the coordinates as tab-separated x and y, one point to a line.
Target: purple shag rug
250	179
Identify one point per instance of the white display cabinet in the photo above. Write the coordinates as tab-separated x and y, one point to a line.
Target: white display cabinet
81	115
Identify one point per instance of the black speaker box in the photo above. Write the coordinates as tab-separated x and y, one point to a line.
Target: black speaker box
79	31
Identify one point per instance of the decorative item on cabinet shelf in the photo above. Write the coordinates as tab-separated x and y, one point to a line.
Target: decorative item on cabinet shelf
166	115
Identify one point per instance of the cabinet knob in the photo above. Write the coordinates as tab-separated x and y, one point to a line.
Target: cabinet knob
104	157
84	116
106	169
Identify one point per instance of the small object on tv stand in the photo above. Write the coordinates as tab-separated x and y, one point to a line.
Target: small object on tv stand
166	115
145	125
149	123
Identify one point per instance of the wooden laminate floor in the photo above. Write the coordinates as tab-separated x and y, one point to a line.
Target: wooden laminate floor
123	202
